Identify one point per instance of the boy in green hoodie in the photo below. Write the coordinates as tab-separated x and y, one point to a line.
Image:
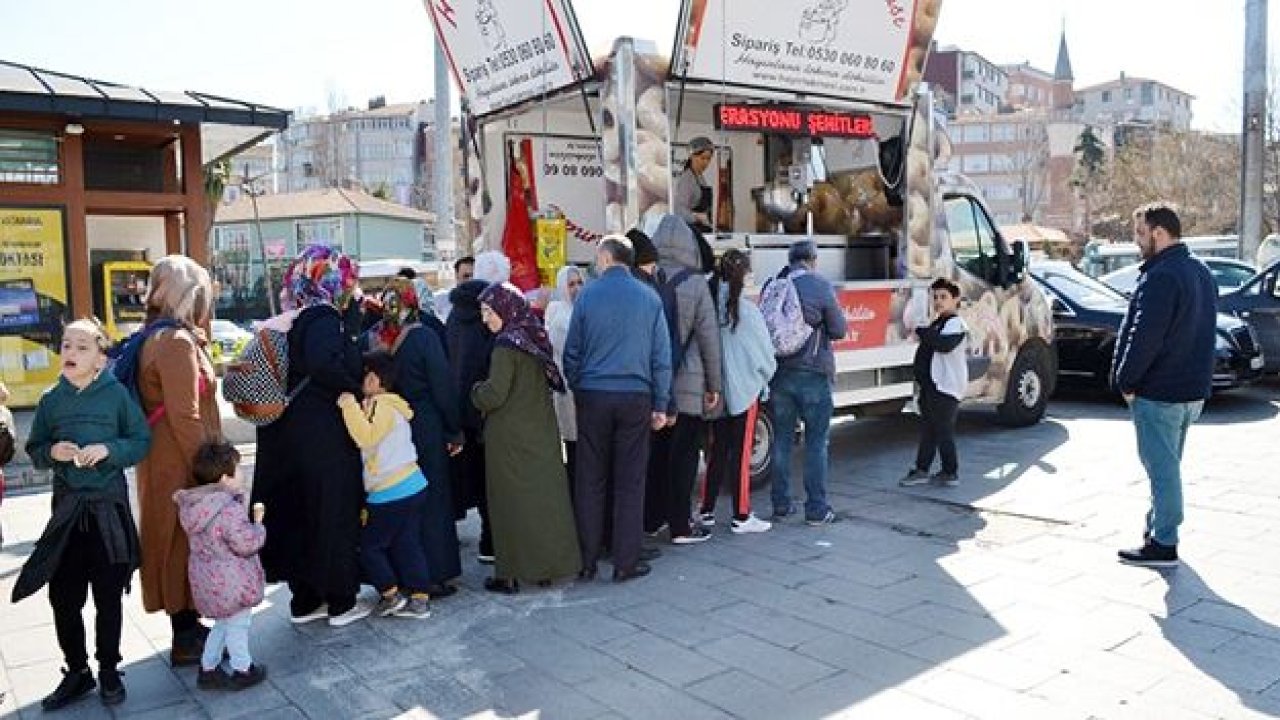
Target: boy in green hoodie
87	430
391	550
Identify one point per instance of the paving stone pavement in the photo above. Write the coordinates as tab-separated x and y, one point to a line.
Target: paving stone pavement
997	599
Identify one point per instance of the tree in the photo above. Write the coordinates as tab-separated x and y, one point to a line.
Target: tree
1091	166
1030	160
1197	171
1271	154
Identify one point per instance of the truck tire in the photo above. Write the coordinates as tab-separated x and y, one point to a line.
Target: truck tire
1030	383
762	450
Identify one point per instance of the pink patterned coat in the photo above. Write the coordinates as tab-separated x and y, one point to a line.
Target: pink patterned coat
225	574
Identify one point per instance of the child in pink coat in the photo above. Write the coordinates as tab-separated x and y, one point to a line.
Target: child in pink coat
226	576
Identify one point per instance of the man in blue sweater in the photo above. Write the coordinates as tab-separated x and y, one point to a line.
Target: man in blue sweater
1164	368
801	390
617	361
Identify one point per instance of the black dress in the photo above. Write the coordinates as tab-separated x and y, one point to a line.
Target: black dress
308	470
424	381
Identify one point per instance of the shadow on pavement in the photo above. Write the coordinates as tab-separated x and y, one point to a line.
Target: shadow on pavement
1224	641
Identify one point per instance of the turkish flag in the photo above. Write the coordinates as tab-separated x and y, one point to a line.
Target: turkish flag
517	236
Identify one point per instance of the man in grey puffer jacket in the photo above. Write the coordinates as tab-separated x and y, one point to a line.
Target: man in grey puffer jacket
697	383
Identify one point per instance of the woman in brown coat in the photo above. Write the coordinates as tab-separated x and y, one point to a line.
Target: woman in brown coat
177	384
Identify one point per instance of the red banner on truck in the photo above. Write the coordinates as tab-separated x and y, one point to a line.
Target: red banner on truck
867	314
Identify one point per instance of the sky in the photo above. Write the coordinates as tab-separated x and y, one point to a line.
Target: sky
310	54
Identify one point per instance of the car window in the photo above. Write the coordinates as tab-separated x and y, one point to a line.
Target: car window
1084	290
1124	280
1230	276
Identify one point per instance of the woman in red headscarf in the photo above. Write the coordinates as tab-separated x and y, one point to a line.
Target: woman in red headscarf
534	535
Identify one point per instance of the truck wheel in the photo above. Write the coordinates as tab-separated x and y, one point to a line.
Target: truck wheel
1030	383
761	450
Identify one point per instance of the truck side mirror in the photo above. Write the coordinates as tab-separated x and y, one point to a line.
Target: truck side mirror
1021	258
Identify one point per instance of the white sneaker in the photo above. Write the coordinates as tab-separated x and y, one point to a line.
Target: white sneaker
752	524
707	519
695	536
319	613
359	611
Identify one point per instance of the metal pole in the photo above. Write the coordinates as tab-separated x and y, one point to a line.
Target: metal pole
1253	134
262	248
443	166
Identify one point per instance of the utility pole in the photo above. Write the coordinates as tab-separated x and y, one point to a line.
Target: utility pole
443	166
1253	137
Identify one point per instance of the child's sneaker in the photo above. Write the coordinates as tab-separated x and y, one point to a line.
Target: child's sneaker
215	679
418	608
914	477
110	687
751	524
75	685
245	679
388	605
945	479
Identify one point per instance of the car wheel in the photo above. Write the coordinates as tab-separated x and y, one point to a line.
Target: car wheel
761	450
1029	387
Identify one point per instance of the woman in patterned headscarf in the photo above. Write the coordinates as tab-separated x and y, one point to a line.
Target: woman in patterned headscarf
534	536
308	470
424	380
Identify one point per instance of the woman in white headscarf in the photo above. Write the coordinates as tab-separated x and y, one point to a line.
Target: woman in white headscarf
569	282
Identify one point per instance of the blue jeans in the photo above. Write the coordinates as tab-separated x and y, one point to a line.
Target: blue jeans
231	634
1162	434
804	396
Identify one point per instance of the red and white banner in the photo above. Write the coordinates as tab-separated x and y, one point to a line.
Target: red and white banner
867	314
503	52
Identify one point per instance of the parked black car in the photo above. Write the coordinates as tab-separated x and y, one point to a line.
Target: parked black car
1087	316
1257	302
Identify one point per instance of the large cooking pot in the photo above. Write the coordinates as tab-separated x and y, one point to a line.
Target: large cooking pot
778	202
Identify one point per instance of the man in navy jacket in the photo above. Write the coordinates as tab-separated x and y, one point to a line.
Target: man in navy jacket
1163	366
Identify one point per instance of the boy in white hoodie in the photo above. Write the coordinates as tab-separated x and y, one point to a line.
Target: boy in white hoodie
391	549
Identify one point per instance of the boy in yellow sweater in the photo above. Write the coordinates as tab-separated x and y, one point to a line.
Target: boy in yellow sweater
391	548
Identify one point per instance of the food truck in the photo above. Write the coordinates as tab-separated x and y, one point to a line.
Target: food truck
823	130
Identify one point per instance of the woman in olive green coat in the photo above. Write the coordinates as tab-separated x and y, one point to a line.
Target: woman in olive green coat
534	537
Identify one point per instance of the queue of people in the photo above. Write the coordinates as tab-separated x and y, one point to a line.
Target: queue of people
573	436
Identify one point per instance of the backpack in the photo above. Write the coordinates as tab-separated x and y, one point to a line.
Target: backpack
256	384
671	310
125	362
784	315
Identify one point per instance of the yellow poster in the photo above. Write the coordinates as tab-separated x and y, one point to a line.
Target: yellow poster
552	250
33	300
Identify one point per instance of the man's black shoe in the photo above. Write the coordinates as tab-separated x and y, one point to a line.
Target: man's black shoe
110	688
639	570
75	685
1152	554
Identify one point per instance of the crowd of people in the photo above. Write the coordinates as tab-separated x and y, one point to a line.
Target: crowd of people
575	428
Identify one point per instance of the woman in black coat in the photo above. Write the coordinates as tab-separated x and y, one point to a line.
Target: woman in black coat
308	471
470	345
423	379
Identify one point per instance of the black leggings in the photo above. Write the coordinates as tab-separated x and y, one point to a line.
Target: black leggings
84	565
